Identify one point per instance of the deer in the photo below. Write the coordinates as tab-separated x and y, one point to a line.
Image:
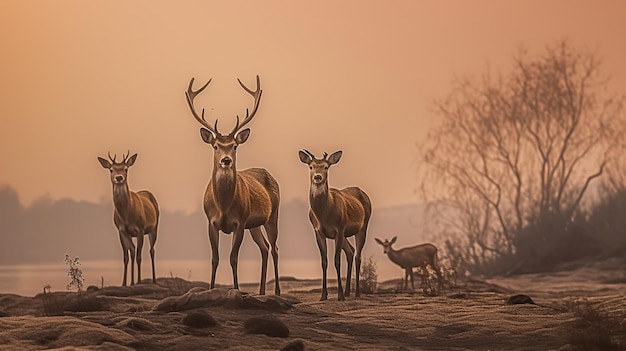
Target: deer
336	214
414	256
136	214
235	200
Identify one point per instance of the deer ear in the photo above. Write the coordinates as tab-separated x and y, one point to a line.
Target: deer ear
242	136
304	157
131	160
393	240
335	157
378	241
207	136
105	163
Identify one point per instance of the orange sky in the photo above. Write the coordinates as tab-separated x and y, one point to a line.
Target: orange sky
80	78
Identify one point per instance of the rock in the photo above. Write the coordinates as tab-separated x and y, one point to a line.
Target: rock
138	324
232	298
151	291
267	325
519	299
85	303
296	345
197	299
199	319
268	302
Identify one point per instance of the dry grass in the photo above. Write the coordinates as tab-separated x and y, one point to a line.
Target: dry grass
596	329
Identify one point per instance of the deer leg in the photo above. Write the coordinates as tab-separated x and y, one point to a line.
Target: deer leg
132	260
412	279
405	281
214	238
360	242
138	257
259	239
321	244
152	237
234	253
349	251
125	248
438	272
339	239
271	229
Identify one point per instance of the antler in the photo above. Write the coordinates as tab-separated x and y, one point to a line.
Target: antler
126	157
112	159
257	98
190	94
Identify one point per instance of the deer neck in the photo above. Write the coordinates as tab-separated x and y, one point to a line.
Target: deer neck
320	198
121	198
224	186
393	256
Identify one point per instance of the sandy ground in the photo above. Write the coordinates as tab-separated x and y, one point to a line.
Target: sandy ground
577	308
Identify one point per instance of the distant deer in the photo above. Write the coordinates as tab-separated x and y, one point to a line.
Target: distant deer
414	256
336	214
237	200
136	214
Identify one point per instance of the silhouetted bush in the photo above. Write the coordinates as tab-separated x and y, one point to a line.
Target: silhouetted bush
551	239
606	222
369	278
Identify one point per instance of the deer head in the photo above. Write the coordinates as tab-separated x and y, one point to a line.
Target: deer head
119	170
224	145
318	167
387	244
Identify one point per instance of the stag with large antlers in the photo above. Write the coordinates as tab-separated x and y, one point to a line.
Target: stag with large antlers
336	214
414	256
238	200
136	214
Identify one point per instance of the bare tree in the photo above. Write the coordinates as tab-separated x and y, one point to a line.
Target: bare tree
520	151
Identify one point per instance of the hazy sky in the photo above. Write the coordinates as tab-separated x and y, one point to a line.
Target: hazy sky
80	78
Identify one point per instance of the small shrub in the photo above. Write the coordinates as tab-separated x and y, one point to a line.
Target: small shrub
449	276
427	275
75	273
369	277
594	330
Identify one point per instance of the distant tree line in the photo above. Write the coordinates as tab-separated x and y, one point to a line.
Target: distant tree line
524	170
48	229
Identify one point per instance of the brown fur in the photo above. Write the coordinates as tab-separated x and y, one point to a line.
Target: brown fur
135	215
336	214
414	256
238	200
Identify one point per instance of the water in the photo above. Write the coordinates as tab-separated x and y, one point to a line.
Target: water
29	280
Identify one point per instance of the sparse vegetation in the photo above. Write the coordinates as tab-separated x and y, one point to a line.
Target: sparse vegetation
179	285
75	273
514	164
52	304
449	276
369	277
596	330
